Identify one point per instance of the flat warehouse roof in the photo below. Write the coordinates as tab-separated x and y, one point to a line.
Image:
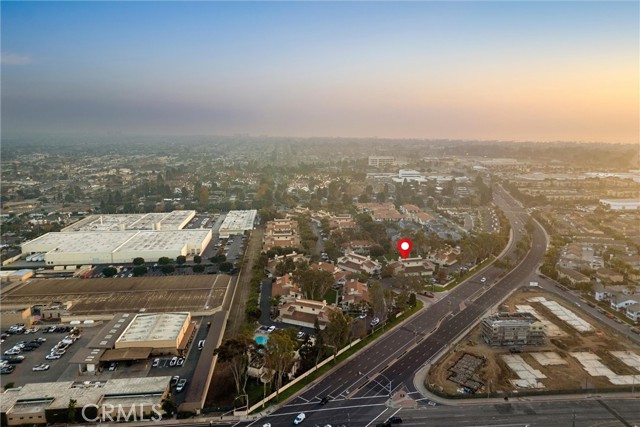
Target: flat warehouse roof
154	327
239	220
164	240
81	241
107	222
113	241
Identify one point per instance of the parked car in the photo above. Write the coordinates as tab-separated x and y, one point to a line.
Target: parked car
271	329
52	356
173	361
175	380
324	400
113	366
395	420
484	279
181	384
201	344
374	321
180	361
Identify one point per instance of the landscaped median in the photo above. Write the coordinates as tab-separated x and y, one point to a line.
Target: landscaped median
328	364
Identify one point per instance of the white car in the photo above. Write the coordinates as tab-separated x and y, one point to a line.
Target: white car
52	356
484	279
266	425
173	361
362	316
300	418
156	363
271	329
41	367
374	322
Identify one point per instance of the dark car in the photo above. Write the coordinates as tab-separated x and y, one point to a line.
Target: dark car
325	400
385	424
395	420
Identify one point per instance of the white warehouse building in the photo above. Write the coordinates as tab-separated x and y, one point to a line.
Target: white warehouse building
621	204
106	247
237	222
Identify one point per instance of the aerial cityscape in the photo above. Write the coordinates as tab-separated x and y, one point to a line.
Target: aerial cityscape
325	214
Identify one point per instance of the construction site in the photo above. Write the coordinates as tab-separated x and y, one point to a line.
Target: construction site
578	353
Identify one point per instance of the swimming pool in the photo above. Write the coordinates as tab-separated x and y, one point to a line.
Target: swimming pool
262	339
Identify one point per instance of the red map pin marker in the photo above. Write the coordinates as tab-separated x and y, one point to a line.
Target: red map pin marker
404	247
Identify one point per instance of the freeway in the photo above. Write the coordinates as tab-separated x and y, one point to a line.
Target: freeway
391	362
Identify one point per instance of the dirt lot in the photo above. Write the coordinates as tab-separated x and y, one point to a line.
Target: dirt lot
94	296
569	376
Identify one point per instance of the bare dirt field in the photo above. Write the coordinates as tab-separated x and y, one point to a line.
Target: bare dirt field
570	374
97	296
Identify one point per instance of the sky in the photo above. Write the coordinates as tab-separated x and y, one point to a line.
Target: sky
525	71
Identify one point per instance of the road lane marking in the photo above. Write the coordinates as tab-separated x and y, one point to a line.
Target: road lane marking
373	420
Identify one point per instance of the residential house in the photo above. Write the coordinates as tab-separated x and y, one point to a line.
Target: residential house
273	263
633	312
445	257
572	275
413	267
304	312
355	293
339	275
355	263
619	301
286	287
361	247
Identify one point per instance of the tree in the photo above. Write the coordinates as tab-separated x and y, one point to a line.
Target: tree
235	353
197	259
315	283
337	330
225	267
138	261
139	270
203	197
169	406
109	272
198	268
181	259
279	354
167	269
164	260
378	304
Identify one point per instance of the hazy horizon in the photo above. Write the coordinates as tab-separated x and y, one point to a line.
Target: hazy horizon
521	71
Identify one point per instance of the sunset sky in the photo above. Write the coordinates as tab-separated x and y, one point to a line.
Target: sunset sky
537	71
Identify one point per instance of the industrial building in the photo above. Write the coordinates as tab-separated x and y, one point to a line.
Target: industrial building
48	403
160	332
237	222
106	247
378	161
512	329
175	220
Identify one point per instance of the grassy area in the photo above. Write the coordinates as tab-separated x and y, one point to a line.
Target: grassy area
356	348
330	296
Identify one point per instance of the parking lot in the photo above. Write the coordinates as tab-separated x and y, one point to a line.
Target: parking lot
62	370
59	369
